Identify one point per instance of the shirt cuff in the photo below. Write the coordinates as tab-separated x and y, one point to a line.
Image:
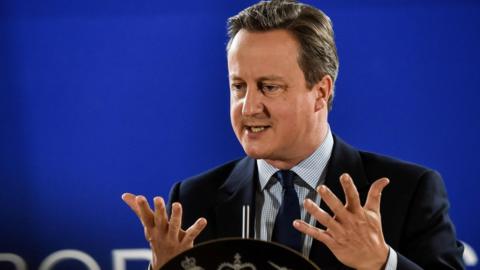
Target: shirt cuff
392	260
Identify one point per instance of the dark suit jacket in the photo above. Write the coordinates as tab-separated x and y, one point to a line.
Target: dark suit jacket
414	206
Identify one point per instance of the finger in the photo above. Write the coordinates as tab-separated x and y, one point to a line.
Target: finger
146	213
375	194
314	232
160	214
129	199
323	217
351	193
175	221
194	230
333	202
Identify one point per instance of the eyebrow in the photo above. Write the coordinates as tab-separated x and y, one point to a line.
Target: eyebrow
263	78
270	78
234	77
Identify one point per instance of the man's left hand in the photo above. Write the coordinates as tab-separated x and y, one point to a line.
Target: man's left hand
354	234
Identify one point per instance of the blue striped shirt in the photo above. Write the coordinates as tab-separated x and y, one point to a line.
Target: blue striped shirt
310	173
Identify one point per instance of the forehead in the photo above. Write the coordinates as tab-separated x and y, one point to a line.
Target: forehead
258	53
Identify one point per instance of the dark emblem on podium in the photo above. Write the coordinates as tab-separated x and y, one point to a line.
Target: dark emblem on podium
239	254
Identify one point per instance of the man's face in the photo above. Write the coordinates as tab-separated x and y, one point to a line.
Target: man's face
273	113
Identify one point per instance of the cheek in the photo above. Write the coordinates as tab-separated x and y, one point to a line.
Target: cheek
235	113
292	118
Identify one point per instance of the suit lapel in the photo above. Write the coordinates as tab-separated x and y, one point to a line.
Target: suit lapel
238	190
344	159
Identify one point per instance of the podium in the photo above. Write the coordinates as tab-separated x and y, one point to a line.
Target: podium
239	254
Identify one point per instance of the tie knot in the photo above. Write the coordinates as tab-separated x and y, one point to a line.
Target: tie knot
286	178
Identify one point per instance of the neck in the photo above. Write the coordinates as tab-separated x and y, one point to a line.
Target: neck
287	164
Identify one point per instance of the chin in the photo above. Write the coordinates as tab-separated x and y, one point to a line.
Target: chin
255	152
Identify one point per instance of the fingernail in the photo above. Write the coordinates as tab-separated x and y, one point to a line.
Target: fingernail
345	178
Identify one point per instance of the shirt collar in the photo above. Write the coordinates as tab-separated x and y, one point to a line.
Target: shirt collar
309	170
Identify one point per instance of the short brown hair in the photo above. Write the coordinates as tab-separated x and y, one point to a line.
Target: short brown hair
310	26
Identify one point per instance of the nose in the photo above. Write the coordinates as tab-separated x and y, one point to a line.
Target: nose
252	103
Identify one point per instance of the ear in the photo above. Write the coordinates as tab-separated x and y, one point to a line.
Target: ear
323	90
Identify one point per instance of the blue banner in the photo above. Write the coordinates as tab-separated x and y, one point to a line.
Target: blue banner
98	98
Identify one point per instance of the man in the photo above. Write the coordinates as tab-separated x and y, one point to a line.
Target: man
282	65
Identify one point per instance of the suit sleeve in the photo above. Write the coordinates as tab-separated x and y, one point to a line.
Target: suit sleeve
429	240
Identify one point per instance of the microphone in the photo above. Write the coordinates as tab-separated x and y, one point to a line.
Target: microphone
245	221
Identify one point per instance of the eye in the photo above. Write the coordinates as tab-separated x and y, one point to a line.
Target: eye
269	87
237	87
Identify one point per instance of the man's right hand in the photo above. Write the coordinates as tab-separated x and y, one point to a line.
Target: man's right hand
166	237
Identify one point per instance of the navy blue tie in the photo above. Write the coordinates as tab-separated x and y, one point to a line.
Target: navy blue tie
283	230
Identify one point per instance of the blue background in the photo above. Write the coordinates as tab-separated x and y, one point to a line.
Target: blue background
102	97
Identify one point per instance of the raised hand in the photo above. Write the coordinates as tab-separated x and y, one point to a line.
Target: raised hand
166	237
354	234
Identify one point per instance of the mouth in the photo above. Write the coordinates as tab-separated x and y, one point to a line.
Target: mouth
256	129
